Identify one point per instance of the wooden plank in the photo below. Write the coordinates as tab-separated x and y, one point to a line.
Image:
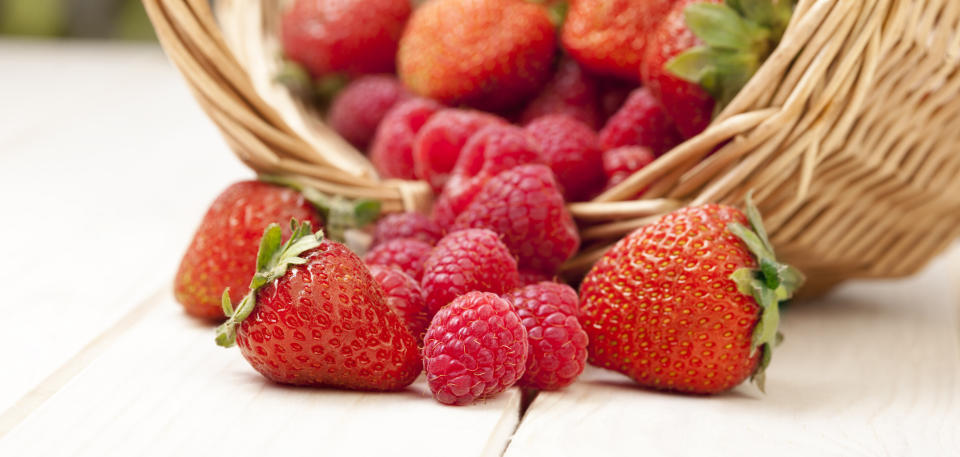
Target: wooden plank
106	165
873	369
164	388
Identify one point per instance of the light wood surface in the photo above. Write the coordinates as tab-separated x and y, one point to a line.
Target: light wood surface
107	164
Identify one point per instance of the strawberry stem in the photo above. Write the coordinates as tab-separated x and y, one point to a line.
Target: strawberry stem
769	284
339	214
273	259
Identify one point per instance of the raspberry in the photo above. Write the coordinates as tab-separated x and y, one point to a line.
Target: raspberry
558	344
406	225
358	109
613	93
493	149
352	36
406	254
525	206
571	92
620	163
476	347
392	148
572	151
528	277
641	121
404	296
465	261
438	144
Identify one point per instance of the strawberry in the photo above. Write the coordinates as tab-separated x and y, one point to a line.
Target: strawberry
570	91
705	51
641	121
344	36
392	150
572	151
498	54
525	206
358	109
218	256
438	144
315	316
688	303
608	37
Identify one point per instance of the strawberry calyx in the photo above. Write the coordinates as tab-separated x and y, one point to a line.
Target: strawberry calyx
273	259
297	79
738	37
339	214
770	283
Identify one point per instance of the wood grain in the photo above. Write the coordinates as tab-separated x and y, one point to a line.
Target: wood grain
103	176
873	369
164	388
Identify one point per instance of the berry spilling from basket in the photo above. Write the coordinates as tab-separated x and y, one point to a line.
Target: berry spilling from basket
523	107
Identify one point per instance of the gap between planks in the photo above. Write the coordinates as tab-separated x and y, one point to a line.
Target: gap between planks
37	396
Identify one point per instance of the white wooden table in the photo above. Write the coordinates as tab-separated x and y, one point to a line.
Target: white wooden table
106	165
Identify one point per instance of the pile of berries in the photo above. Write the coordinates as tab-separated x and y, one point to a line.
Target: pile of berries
515	112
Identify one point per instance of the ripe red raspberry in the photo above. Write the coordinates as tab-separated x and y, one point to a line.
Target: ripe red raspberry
352	36
613	93
438	144
404	296
620	163
476	347
528	277
465	261
406	254
572	151
524	205
392	148
641	121
406	225
493	149
571	92
558	344
358	109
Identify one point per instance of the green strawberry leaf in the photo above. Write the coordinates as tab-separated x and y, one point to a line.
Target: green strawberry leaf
720	26
272	262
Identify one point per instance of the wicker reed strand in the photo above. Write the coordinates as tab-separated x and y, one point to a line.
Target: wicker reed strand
847	135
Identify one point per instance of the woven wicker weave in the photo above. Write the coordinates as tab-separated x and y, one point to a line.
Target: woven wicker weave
848	135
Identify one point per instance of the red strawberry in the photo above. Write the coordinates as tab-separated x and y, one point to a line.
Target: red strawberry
360	107
571	92
406	225
349	36
438	144
572	151
688	303
314	316
392	149
525	206
404	296
493	149
620	163
641	121
475	348
498	54
558	344
688	68
609	36
465	261
406	254
228	237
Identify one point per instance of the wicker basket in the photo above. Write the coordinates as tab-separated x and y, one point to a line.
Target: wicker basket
847	135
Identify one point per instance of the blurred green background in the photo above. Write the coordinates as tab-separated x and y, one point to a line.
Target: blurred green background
102	19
